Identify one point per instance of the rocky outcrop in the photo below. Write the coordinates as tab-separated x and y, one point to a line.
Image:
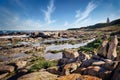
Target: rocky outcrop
108	49
42	75
102	50
112	54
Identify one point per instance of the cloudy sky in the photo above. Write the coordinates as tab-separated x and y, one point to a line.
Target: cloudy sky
55	14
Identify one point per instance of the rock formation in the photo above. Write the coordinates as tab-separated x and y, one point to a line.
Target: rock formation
112	54
108	48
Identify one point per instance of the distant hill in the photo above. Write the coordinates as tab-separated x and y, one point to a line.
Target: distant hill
99	25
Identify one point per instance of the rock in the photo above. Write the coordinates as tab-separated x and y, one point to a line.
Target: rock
77	77
105	75
112	54
80	70
6	68
87	63
69	68
3	75
99	63
92	70
102	50
53	70
108	66
116	74
20	64
70	53
83	57
43	75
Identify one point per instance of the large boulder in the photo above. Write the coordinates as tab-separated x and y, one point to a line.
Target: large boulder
6	68
77	77
42	75
102	50
112	54
70	53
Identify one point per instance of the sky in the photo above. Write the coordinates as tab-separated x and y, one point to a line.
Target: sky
55	14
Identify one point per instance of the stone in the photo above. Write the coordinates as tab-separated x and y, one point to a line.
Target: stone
87	63
3	75
112	54
102	49
83	57
80	70
105	75
20	64
70	53
98	63
6	68
116	74
42	75
53	70
69	68
77	77
92	70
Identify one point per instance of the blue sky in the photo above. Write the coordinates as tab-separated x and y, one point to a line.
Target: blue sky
55	14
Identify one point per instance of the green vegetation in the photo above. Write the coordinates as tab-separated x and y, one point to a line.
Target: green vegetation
41	63
91	46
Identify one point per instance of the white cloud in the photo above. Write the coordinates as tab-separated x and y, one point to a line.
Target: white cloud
80	16
48	12
83	18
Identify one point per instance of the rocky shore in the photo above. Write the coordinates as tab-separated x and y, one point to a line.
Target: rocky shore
21	58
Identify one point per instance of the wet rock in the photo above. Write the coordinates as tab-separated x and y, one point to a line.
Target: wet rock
77	77
42	75
6	68
112	54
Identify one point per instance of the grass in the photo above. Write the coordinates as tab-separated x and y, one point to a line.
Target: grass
91	46
41	63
